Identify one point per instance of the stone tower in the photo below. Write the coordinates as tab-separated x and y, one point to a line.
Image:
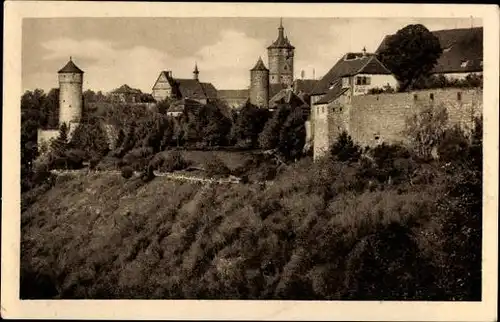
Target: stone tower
70	94
196	72
280	55
259	85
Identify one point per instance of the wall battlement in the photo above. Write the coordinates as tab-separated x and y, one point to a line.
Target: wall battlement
376	118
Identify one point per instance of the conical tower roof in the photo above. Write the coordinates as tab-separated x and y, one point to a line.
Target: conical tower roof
260	65
71	68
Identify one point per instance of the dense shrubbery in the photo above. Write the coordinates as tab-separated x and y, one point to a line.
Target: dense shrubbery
440	81
215	167
127	172
173	161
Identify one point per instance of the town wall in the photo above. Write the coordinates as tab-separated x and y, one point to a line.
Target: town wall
374	119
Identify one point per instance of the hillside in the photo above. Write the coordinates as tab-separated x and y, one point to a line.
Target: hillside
321	231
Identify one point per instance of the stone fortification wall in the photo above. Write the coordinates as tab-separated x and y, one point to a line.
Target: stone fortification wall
373	119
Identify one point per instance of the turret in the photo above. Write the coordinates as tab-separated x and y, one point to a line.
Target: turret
280	55
70	94
259	85
196	72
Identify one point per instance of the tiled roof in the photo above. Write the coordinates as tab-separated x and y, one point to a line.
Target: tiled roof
71	68
190	88
209	90
332	93
462	50
232	93
350	64
304	85
286	96
259	65
126	90
275	88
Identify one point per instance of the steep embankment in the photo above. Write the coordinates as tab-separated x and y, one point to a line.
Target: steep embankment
314	234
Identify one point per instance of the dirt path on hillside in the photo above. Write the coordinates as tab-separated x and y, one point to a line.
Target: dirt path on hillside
168	175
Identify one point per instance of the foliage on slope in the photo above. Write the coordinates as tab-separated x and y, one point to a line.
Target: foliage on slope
389	227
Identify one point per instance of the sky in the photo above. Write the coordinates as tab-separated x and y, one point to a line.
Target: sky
133	51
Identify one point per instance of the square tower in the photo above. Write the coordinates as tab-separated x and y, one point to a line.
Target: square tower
280	55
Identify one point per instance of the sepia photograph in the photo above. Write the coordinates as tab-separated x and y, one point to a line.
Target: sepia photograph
273	158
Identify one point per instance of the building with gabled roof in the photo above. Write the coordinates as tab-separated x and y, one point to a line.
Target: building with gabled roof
358	71
168	87
462	52
126	94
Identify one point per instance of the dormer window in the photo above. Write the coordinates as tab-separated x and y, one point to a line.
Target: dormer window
447	49
464	63
352	56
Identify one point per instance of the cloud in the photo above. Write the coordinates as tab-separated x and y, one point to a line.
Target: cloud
225	63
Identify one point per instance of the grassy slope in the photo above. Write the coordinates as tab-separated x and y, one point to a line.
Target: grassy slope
308	238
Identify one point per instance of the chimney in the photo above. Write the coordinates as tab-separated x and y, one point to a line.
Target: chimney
314	74
302	74
364	51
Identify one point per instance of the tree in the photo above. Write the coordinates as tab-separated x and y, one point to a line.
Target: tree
411	54
90	138
50	108
269	138
215	125
249	123
344	149
292	136
60	144
453	146
425	130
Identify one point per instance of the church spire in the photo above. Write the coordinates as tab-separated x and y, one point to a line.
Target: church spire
281	29
282	41
196	72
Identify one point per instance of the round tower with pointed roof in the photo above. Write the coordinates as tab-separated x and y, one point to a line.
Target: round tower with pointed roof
280	55
259	85
70	94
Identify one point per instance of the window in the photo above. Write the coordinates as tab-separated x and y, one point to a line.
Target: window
284	67
415	97
459	96
376	137
333	109
322	109
431	96
363	80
